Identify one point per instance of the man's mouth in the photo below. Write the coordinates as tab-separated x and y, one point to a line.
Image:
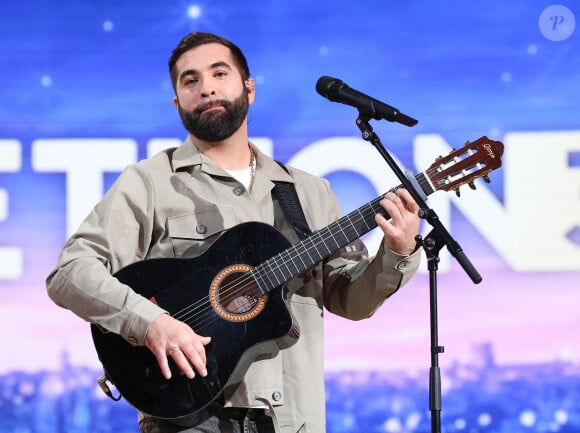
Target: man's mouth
211	107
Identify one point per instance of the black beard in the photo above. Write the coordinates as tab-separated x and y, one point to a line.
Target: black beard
215	126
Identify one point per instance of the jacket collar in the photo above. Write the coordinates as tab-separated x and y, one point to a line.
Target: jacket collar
187	155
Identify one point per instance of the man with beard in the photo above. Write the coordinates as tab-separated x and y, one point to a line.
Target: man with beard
178	202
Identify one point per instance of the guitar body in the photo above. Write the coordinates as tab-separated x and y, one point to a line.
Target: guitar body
216	297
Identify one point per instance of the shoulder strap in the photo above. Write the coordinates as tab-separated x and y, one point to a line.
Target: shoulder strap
290	204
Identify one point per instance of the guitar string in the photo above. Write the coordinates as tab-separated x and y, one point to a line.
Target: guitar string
247	281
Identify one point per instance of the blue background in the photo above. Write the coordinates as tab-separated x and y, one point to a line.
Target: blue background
99	69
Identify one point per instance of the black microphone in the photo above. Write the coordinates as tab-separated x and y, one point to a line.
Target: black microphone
337	91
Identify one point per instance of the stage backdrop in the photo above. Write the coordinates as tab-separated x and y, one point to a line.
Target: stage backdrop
85	92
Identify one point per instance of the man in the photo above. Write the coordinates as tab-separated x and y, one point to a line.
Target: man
178	202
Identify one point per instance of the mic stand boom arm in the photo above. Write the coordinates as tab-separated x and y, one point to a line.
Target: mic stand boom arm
432	244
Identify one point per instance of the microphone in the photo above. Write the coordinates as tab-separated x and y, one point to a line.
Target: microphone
337	91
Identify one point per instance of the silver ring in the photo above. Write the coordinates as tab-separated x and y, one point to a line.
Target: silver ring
173	350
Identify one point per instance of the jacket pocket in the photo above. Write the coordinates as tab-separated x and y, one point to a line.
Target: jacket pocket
192	233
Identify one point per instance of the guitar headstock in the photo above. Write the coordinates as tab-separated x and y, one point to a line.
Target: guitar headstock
462	166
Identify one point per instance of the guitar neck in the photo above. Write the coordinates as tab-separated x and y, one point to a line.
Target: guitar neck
322	243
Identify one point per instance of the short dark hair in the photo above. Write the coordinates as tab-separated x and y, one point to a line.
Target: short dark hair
195	39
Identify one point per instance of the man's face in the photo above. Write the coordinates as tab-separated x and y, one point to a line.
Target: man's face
211	98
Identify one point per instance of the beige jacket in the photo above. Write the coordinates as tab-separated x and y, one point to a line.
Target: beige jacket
176	204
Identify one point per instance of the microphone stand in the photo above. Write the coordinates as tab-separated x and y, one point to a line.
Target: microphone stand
437	238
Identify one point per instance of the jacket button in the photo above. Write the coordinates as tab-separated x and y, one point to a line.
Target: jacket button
276	396
132	340
201	229
401	266
238	190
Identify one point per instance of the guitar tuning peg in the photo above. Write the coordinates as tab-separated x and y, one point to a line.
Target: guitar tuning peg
486	178
472	185
457	192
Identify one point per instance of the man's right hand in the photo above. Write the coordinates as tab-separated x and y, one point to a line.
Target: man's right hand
168	337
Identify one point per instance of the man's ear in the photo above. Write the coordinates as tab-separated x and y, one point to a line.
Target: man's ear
251	89
250	84
175	102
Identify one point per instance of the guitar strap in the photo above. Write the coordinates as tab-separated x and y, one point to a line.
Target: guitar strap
290	203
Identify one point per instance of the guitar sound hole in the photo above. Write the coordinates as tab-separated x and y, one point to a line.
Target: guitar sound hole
238	293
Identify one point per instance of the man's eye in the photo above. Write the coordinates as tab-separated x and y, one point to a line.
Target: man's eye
190	82
221	74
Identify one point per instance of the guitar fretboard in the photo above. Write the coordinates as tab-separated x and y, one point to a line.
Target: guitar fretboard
322	243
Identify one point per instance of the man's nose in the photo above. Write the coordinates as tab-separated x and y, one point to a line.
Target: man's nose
208	89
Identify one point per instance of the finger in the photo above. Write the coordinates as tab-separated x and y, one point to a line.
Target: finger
399	199
199	347
408	200
181	360
196	355
387	226
392	204
194	363
401	207
401	228
163	365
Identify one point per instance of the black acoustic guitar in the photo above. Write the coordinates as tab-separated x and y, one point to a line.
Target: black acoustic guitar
234	292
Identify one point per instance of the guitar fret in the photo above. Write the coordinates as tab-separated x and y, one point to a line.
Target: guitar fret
356	223
291	272
258	276
363	221
313	249
270	274
307	250
302	261
279	274
288	271
328	250
339	236
328	231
